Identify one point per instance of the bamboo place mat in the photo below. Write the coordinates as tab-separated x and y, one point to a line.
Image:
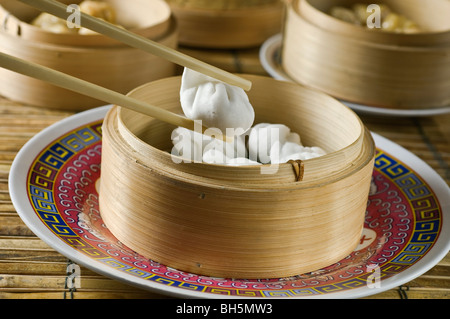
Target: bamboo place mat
236	61
29	268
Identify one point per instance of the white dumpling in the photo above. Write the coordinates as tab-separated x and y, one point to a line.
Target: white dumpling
264	136
282	153
191	146
217	104
51	23
187	144
241	161
215	156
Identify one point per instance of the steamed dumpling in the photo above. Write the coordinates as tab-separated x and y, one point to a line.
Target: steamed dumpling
276	144
217	104
51	23
264	136
282	153
192	147
98	9
216	156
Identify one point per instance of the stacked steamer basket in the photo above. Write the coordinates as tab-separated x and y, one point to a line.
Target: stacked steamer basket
226	23
94	58
240	222
371	67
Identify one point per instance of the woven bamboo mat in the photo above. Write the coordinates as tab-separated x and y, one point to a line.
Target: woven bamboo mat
236	61
29	268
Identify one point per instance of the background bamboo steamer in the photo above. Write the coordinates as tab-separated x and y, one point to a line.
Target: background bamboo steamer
240	27
150	19
364	69
117	67
431	16
234	221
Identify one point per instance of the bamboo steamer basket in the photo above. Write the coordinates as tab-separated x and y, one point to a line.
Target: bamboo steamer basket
371	67
150	19
432	18
94	58
214	25
238	222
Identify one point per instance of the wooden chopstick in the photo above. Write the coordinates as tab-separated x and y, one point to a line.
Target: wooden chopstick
98	25
98	92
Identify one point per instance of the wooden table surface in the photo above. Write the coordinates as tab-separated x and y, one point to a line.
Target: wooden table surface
29	268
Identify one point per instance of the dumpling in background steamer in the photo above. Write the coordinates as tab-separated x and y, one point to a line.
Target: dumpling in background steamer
50	23
217	104
97	9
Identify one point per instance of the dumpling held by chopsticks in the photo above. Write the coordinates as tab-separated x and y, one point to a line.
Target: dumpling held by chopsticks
217	104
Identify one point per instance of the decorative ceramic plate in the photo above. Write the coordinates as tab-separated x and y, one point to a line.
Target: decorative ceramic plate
53	187
270	57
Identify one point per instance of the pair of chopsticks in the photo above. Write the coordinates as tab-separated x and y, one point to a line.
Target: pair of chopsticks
83	87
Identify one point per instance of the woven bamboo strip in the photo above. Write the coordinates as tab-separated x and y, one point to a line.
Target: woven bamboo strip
12	225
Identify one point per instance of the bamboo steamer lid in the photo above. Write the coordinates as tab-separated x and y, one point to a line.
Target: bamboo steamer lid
150	19
369	70
241	26
234	221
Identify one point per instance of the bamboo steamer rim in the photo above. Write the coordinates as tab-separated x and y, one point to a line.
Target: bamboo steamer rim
193	180
171	31
343	162
236	12
150	28
355	41
219	4
314	12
